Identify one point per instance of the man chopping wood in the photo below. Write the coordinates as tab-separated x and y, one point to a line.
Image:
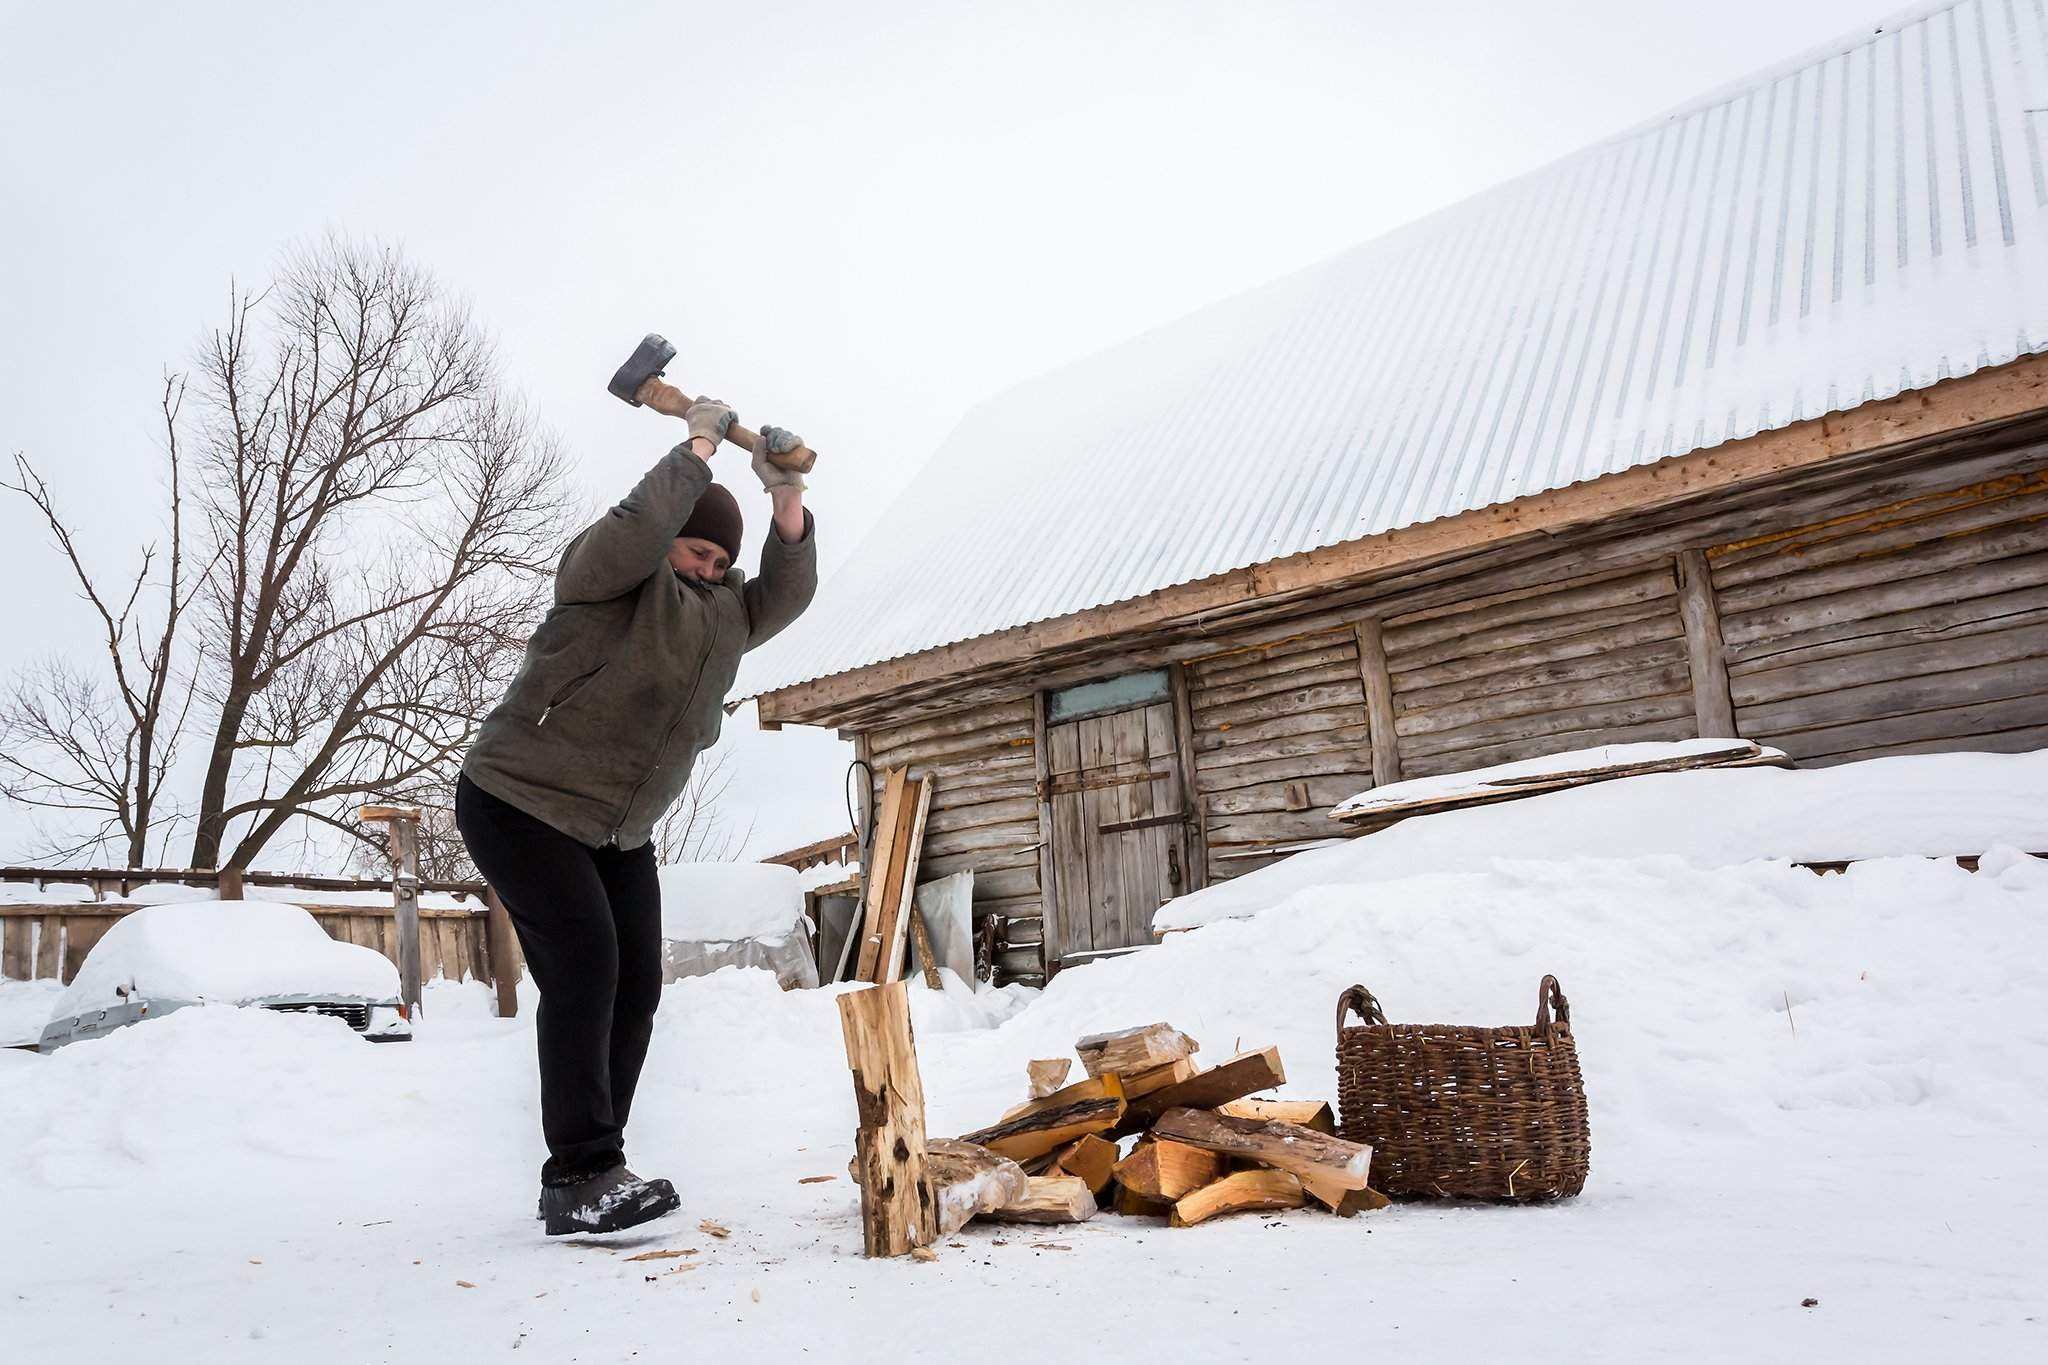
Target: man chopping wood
619	692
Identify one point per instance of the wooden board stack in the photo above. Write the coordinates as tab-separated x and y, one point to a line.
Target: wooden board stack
1203	1145
888	912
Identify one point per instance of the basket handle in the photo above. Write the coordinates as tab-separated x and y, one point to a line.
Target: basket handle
1549	994
1361	1001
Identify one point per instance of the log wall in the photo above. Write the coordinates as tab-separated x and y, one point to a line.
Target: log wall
1903	612
984	816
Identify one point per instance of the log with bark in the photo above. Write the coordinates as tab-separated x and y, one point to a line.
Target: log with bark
1038	1133
1308	1113
1332	1162
1245	1074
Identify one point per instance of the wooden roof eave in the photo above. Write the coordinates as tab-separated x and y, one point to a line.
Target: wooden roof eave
1063	643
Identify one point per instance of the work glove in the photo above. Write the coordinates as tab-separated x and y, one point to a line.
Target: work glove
708	418
774	476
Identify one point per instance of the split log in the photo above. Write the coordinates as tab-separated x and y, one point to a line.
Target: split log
1048	1076
1051	1199
896	1207
1239	1193
1245	1074
1099	1088
1167	1170
967	1180
1344	1203
1308	1113
1143	1083
1134	1049
1039	1133
1331	1161
1091	1158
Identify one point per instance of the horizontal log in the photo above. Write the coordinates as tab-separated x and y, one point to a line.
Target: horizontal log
936	752
1578	720
1887	664
1273	827
964	721
1018	963
1919	562
1961	687
1000	872
1500	584
1481	646
1230	670
1567	600
1094	1087
1348	739
1640	626
1655	681
1278	797
1024	933
1889	529
1973	582
1020	834
1281	727
2003	742
1051	1199
979	815
1341	761
1603	661
1275	684
1314	1114
1932	725
1948	621
1006	764
1349	694
1677	724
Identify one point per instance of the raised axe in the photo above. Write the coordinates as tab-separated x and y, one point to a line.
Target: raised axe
638	381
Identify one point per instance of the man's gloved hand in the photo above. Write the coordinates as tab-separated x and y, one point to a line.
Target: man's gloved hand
774	476
708	418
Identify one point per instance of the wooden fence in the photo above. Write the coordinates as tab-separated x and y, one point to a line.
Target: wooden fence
49	940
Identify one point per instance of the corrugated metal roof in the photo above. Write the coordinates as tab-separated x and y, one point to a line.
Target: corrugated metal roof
1864	220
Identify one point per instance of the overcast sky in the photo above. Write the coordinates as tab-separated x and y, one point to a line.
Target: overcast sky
855	220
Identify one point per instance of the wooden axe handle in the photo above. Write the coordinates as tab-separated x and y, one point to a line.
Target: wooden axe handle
667	398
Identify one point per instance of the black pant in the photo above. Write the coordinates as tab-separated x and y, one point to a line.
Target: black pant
589	922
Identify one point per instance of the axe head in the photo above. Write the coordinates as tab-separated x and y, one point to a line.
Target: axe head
649	358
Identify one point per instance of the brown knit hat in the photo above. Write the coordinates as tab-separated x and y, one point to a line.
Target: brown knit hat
716	518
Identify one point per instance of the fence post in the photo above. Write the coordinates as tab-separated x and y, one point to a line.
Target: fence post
503	950
230	884
403	822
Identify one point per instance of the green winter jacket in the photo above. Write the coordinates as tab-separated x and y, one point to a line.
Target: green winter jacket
622	684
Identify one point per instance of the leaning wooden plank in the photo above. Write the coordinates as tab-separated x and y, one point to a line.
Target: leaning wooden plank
1100	1088
1245	1074
967	1181
1308	1113
897	1209
1284	1146
1162	1169
1051	1199
1091	1158
1134	1049
1048	1075
1238	1193
875	875
1039	1133
903	895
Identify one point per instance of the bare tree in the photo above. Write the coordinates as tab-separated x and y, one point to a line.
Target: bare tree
382	517
377	522
73	744
697	829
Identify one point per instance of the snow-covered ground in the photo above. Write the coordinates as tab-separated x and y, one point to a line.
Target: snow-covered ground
1826	1087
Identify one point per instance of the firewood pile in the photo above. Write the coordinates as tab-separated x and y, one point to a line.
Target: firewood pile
1203	1145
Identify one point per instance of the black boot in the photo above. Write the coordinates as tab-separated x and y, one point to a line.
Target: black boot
609	1202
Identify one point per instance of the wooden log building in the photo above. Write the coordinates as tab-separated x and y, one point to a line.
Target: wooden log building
1733	425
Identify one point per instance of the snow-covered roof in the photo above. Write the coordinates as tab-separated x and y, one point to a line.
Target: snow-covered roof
1866	219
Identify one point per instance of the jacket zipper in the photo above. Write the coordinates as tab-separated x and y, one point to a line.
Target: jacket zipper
576	685
662	752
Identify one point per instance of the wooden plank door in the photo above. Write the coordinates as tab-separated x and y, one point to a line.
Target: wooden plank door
1118	828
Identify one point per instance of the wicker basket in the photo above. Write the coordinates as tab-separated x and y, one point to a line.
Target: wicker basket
1465	1113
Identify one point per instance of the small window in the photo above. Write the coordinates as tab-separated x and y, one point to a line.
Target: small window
1111	694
